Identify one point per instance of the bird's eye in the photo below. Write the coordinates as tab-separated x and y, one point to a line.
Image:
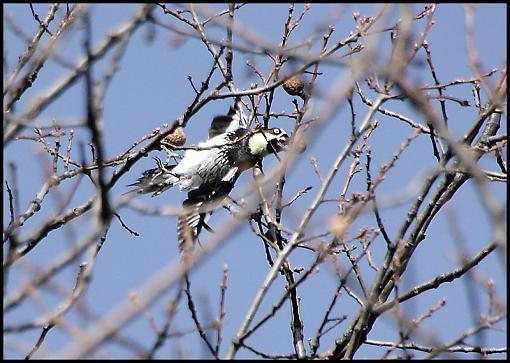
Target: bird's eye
277	131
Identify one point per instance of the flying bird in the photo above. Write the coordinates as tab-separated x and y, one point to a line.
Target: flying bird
209	171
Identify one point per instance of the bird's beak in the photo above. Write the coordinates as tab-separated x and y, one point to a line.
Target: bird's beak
280	143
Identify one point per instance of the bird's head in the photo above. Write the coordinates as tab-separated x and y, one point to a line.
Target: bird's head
268	141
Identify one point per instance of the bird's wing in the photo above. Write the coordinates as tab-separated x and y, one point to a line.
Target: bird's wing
197	209
231	175
235	119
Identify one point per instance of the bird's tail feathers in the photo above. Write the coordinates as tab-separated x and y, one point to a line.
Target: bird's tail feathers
197	210
155	180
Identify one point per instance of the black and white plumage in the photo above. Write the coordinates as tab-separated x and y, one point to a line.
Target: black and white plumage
209	171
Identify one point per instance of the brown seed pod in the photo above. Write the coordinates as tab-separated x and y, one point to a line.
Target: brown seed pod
295	86
176	138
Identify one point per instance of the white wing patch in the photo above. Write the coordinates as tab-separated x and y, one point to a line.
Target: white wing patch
239	117
230	174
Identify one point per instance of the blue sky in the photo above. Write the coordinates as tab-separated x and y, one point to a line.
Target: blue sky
151	88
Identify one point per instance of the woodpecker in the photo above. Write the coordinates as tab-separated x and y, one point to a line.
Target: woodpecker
209	171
